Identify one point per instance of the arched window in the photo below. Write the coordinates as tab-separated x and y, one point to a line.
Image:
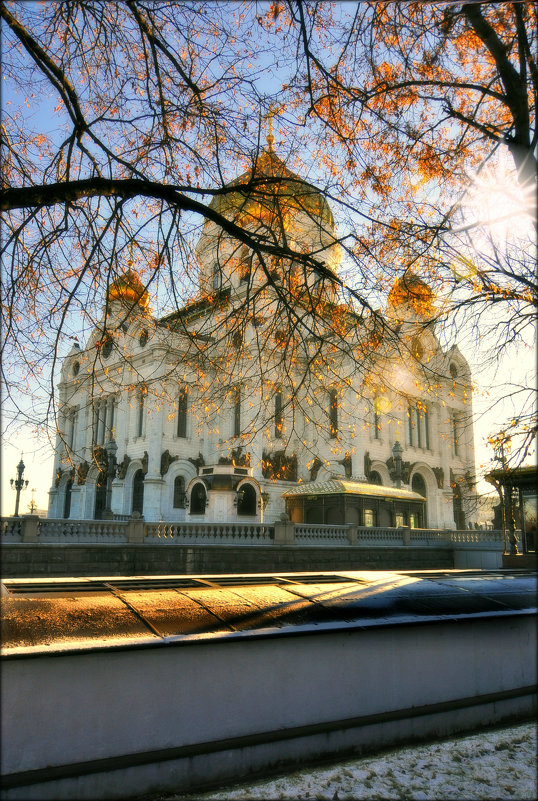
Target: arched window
333	414
100	495
237	412
279	417
179	492
67	499
246	500
237	339
375	478
140	411
419	485
182	406
455	433
198	499
138	492
377	418
426	420
411	421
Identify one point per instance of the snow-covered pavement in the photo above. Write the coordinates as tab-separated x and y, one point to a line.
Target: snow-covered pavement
494	764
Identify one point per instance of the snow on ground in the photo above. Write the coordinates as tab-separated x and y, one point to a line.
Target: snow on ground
493	764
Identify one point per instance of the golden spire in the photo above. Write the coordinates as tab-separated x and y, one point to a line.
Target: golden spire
269	119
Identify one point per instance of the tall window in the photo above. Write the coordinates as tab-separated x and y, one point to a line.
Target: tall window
103	420
411	415
426	416
138	492
67	499
279	417
100	495
140	411
333	414
72	428
369	516
237	412
179	492
182	405
376	419
419	426
455	433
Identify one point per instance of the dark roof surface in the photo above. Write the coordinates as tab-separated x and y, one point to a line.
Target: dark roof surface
56	614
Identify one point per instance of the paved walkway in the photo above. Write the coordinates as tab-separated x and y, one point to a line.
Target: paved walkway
495	764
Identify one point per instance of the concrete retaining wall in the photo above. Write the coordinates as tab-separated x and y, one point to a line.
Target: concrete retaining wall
28	560
115	723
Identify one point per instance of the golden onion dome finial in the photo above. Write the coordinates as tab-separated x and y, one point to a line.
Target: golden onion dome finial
128	289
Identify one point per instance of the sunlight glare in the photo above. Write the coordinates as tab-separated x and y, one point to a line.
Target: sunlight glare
498	202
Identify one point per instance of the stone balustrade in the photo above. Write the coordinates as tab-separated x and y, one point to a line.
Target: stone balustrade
82	531
30	528
311	534
11	530
368	535
209	533
478	537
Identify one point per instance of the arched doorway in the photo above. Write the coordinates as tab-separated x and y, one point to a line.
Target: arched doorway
419	485
100	495
137	504
67	499
246	500
314	515
457	506
198	499
334	516
375	478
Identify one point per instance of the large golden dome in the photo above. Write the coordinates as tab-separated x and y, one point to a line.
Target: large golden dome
414	293
275	191
129	290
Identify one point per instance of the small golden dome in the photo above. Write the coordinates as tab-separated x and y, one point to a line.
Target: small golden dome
413	292
129	290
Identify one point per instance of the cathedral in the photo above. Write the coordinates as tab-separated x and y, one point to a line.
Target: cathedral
268	394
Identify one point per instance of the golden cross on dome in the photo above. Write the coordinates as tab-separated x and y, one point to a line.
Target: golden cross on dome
269	119
130	259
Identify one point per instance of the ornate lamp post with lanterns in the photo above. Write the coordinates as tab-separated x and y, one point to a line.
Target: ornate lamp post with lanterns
18	484
397	451
111	449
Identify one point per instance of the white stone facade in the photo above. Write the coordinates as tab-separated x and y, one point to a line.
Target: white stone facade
209	395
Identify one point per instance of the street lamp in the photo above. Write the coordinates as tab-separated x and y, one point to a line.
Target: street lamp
111	449
397	451
502	443
18	484
32	506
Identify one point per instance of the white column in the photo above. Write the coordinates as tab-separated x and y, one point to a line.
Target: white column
76	510
153	482
444	440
